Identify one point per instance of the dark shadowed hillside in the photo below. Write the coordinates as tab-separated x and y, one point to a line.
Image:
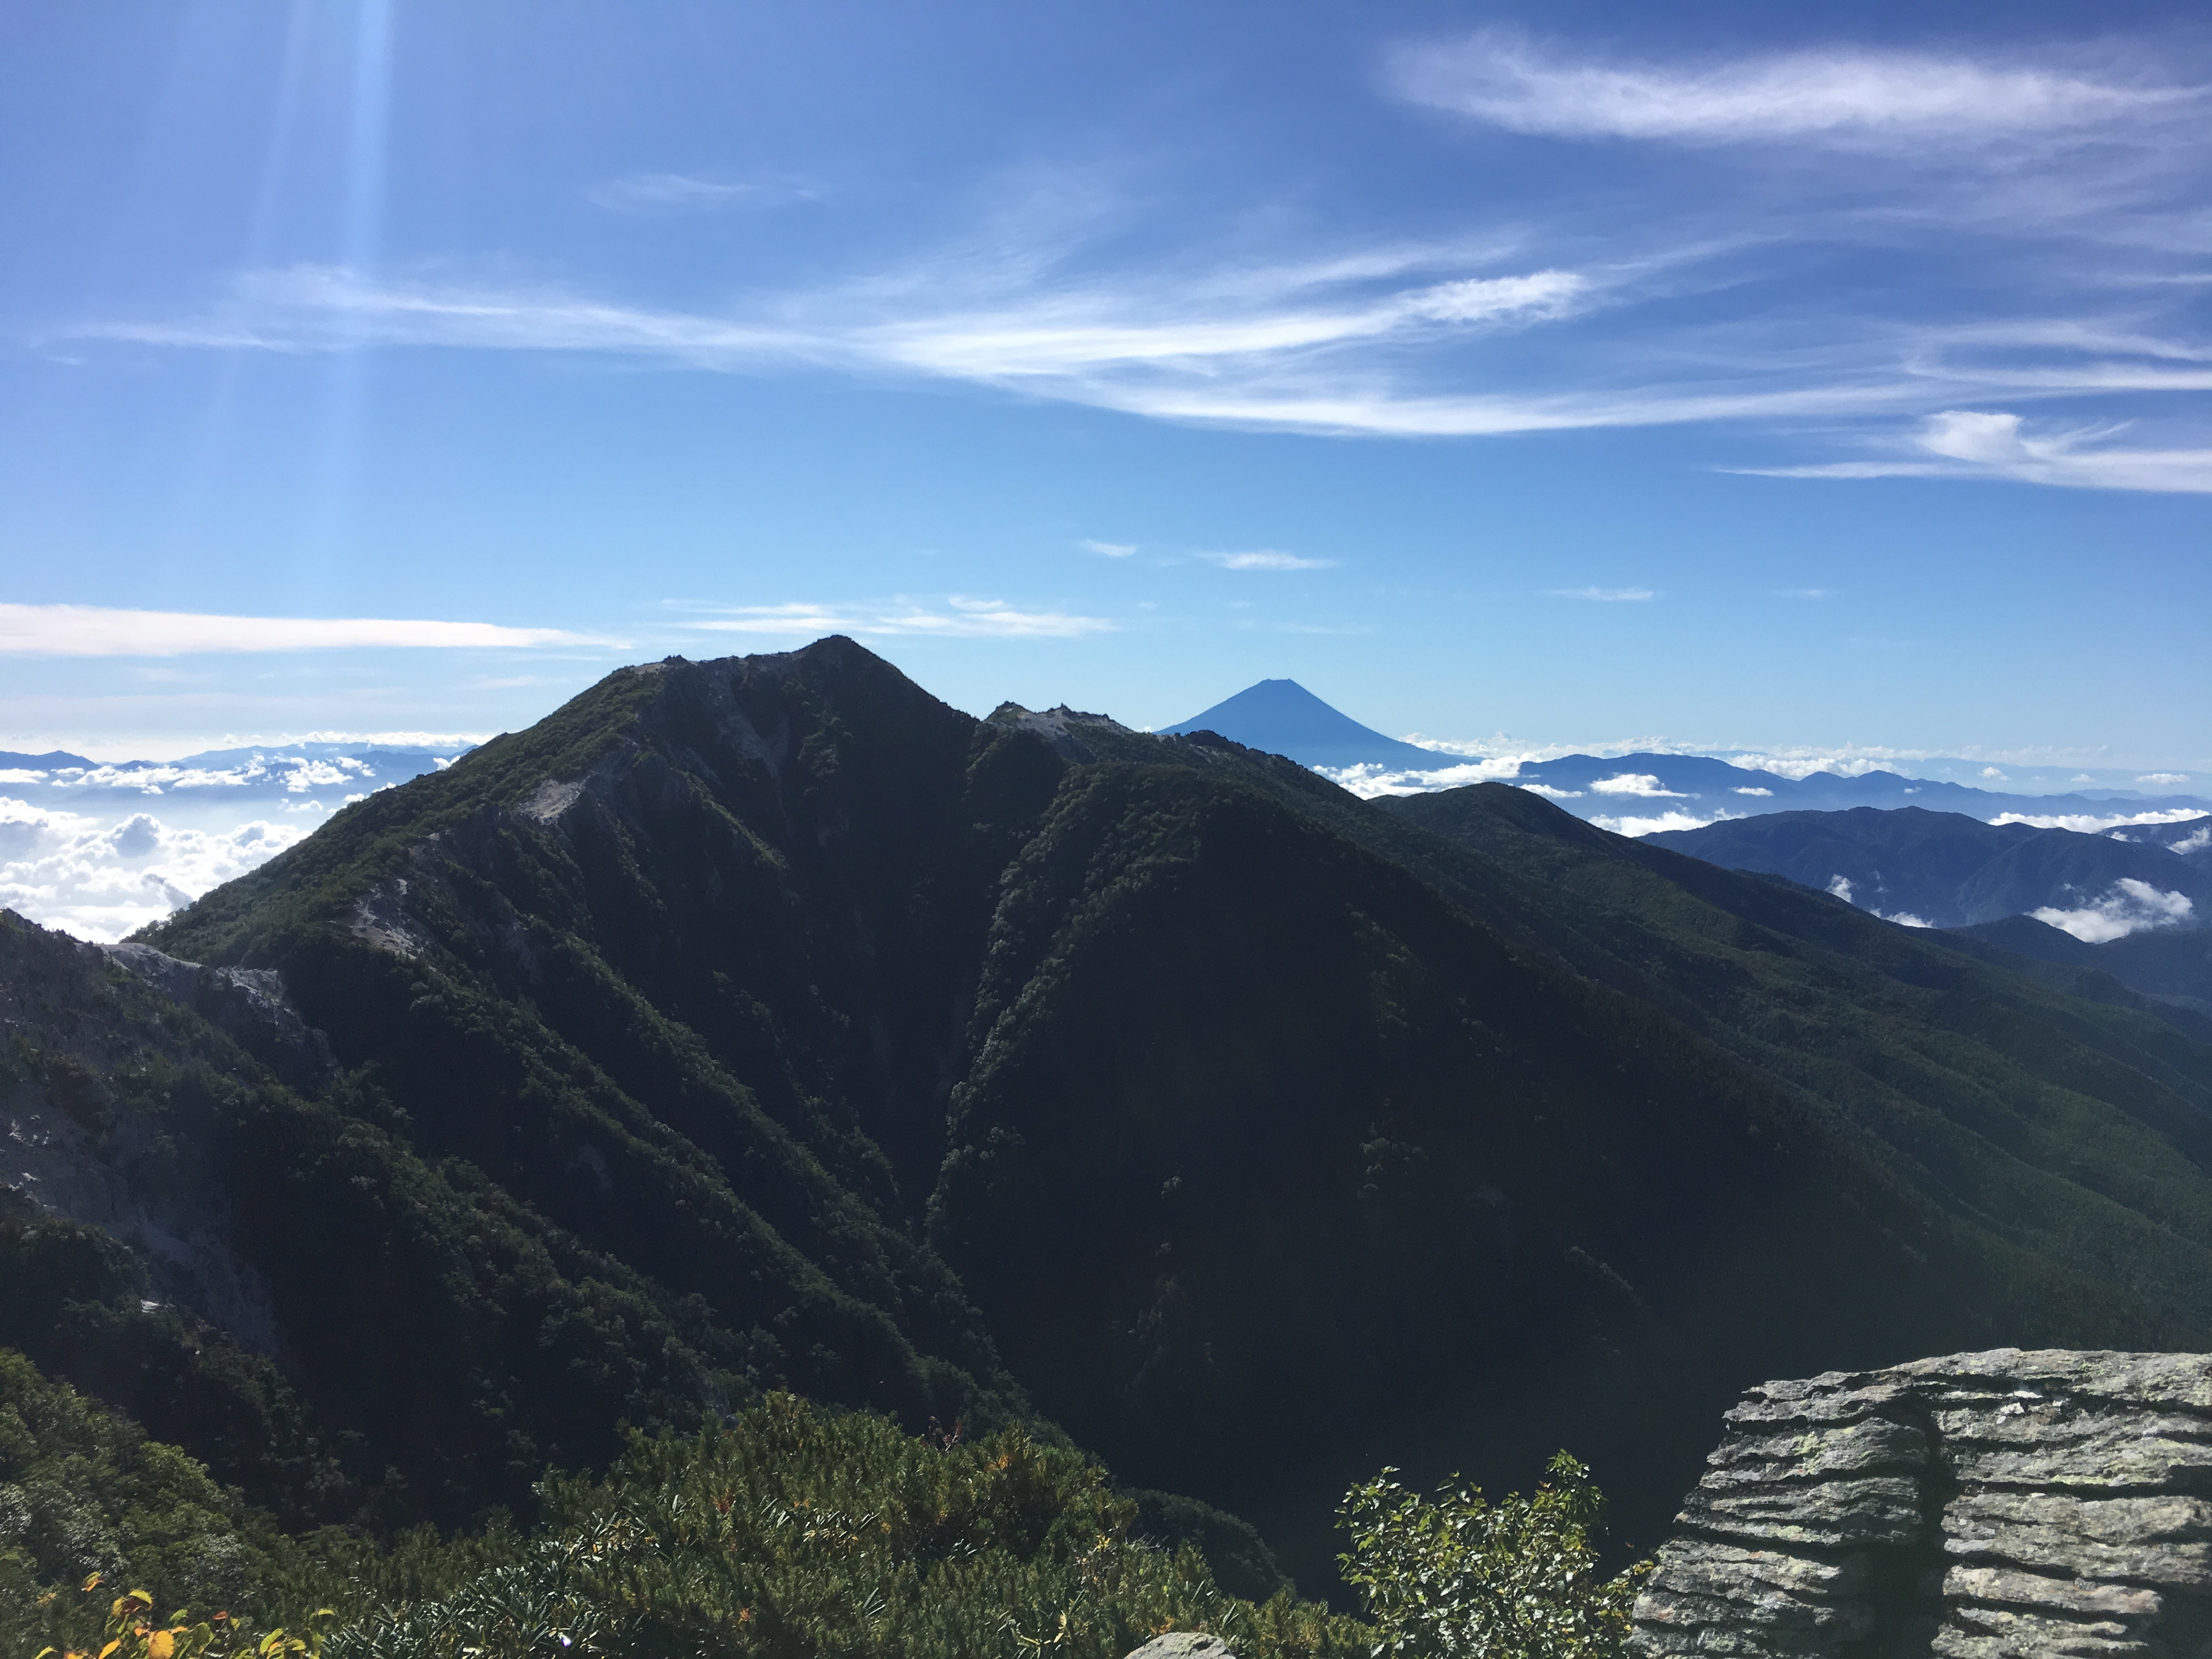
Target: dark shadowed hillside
352	1324
2169	965
767	1022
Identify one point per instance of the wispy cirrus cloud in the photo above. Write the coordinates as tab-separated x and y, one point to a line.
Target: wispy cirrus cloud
307	308
959	617
1108	549
685	193
1958	443
1068	335
1847	96
1266	558
1244	348
667	192
80	630
1554	317
1606	595
1263	349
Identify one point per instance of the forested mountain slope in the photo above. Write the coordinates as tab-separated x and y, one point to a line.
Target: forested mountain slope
2173	966
1930	1109
299	1288
1256	1134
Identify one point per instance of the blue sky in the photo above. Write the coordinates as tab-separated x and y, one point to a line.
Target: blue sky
1745	376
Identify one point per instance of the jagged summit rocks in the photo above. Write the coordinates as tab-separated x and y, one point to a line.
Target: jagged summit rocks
1975	1506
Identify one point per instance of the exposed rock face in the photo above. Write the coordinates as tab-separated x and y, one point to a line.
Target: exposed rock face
247	1003
73	1145
1978	1505
1184	1644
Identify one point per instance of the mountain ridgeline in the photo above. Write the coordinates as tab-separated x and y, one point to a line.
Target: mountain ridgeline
2134	903
1946	870
1282	717
766	1024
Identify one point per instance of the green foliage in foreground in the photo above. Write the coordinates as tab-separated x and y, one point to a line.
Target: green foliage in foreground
804	1532
796	1530
84	1494
1459	1575
135	1631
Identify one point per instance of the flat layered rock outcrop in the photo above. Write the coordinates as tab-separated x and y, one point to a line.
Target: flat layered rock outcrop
1975	1506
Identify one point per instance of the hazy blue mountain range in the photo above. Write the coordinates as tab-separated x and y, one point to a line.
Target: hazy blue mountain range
1591	786
2188	835
53	759
1284	718
2133	903
1947	870
767	1022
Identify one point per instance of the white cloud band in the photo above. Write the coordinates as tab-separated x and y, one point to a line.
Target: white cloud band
79	630
962	619
1851	97
2131	906
1266	558
2093	823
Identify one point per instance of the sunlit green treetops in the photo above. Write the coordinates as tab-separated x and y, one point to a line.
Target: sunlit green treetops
1459	1575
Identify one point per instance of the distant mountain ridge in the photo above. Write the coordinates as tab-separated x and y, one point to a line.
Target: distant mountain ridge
2135	904
1652	785
1634	793
1947	870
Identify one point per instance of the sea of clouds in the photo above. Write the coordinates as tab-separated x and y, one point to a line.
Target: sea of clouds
101	878
102	850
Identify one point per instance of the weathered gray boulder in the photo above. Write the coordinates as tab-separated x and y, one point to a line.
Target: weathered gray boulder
1184	1644
1978	1506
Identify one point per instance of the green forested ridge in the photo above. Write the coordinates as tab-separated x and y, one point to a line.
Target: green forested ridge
788	1530
438	1341
766	1024
1921	1111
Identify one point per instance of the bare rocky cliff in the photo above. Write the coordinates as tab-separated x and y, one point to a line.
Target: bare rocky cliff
2007	1504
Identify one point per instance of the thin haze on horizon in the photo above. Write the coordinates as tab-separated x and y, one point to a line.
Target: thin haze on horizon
1720	377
